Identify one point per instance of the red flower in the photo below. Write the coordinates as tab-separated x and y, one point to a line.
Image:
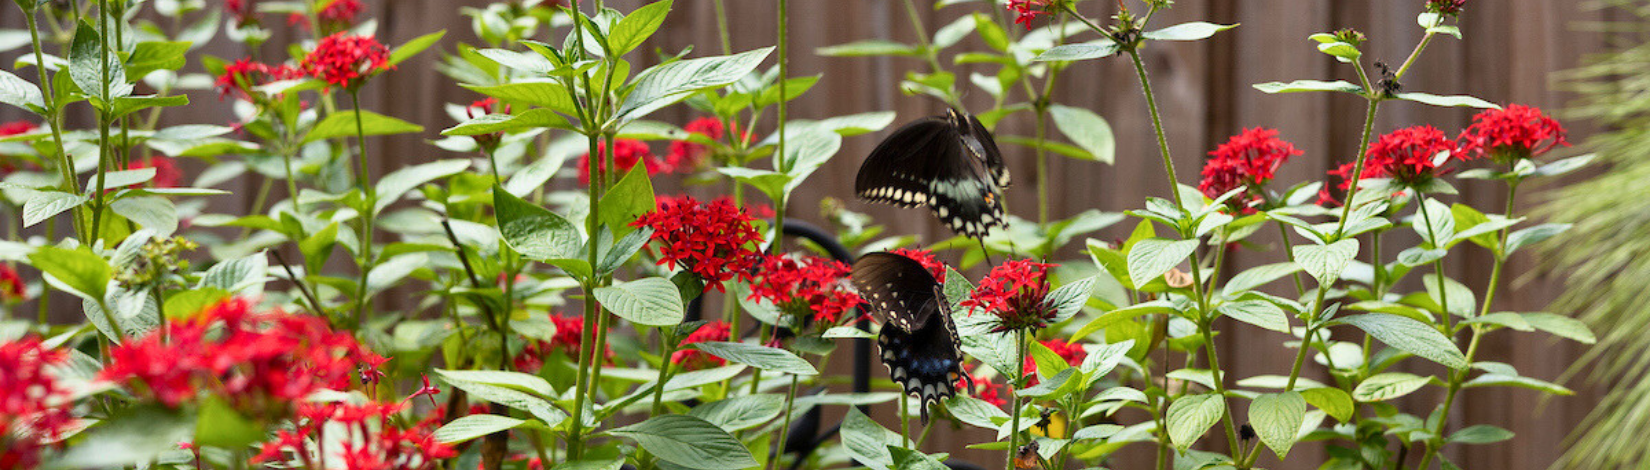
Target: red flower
693	359
1027	11
34	408
1409	155
1248	160
346	61
11	285
569	334
800	283
984	390
339	14
7	165
686	155
714	241
1446	7
373	442
243	11
240	77
626	153
1512	133
926	259
487	142
1014	291
260	362
167	174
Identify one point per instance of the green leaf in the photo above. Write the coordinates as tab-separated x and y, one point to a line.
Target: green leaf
545	93
871	47
627	200
1257	312
1340	50
1079	51
1069	299
1409	335
1562	326
79	269
219	425
758	356
130	104
1086	129
133	436
1480	434
847	332
151	212
1503	380
1150	258
342	124
1533	235
21	93
637	27
505	395
87	70
1301	86
1192	31
770	183
474	426
652	301
1257	276
740	413
1056	387
665	84
533	231
392	186
150	56
236	275
1192	415
1326	262
689	442
1332	401
1389	385
47	204
991	33
1446	101
907	459
186	304
411	48
1277	419
501	378
490	123
867	442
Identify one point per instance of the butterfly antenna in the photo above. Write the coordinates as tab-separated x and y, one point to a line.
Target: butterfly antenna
985	252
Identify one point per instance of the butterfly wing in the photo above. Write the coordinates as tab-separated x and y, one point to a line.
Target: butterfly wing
986	147
931	162
919	342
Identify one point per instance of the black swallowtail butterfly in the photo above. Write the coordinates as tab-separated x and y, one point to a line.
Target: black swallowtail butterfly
948	162
919	342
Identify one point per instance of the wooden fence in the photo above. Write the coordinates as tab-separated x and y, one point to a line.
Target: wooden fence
1511	47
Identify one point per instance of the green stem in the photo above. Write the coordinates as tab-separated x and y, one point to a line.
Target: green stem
929	54
1157	126
722	28
1014	395
102	118
1437	264
1289	253
1457	377
369	206
53	117
905	419
784	429
575	439
784	165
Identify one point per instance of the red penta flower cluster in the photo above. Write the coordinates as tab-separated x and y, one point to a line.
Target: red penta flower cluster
1247	161
693	359
11	285
34	408
1512	133
1410	155
259	362
984	390
240	77
243	11
714	241
167	174
345	60
373	439
569	334
926	259
802	283
1026	11
1015	292
626	154
686	155
487	142
339	14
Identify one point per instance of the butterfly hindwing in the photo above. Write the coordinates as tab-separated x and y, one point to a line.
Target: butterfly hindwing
947	162
919	341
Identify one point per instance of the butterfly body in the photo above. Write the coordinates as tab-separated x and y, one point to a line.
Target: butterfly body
948	162
919	342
